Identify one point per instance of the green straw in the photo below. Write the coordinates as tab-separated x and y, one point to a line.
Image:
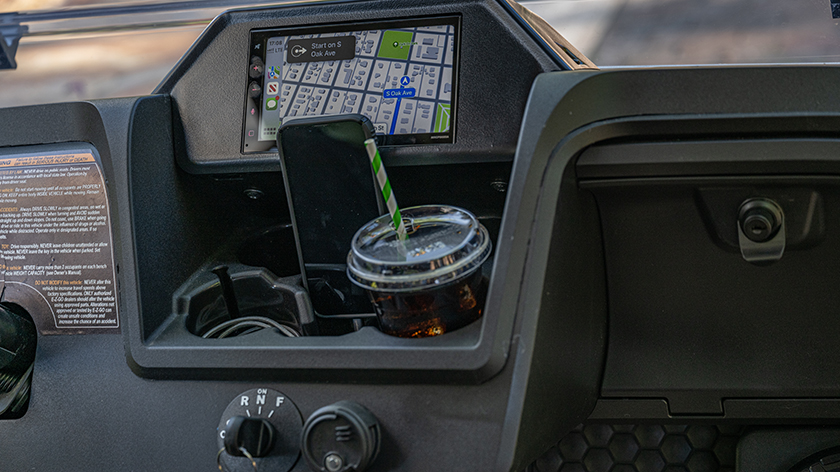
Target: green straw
385	185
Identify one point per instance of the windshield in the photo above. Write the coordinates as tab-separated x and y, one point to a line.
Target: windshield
87	49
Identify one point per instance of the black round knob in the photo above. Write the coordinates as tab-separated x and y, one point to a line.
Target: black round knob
254	435
760	219
341	437
249	422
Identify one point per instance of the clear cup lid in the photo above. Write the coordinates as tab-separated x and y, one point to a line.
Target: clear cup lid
444	244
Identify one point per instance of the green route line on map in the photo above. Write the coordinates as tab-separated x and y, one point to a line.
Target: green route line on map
442	119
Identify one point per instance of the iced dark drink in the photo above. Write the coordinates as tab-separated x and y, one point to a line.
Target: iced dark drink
429	284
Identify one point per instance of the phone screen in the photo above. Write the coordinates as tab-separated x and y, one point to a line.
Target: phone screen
331	189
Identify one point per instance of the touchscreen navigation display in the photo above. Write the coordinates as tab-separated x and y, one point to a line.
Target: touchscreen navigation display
400	74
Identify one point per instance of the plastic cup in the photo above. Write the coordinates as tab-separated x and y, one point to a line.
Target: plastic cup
430	283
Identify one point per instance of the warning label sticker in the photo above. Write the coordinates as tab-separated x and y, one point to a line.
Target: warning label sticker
56	244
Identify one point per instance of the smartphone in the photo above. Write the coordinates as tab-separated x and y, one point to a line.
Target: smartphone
332	192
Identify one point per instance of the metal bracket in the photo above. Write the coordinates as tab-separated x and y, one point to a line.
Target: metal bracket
10	33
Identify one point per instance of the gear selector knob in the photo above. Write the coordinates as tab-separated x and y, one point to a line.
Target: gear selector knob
255	435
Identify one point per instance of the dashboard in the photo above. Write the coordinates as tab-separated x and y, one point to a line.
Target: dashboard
660	291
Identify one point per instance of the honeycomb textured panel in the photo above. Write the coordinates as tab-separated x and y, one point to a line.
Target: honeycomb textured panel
643	448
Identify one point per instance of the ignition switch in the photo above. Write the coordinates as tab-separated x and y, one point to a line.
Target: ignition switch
341	437
248	436
260	429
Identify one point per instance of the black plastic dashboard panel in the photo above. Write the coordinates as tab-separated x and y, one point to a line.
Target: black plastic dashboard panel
498	61
648	106
491	397
86	392
737	341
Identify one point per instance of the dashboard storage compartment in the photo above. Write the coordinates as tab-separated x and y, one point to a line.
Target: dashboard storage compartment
243	302
691	320
182	302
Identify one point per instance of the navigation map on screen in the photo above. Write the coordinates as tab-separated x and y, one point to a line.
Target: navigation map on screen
400	77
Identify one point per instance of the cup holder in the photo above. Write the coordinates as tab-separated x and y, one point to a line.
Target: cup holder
229	301
261	250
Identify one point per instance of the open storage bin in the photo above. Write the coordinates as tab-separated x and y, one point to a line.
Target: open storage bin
241	221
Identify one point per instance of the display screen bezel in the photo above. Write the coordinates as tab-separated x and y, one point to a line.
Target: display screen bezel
252	112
